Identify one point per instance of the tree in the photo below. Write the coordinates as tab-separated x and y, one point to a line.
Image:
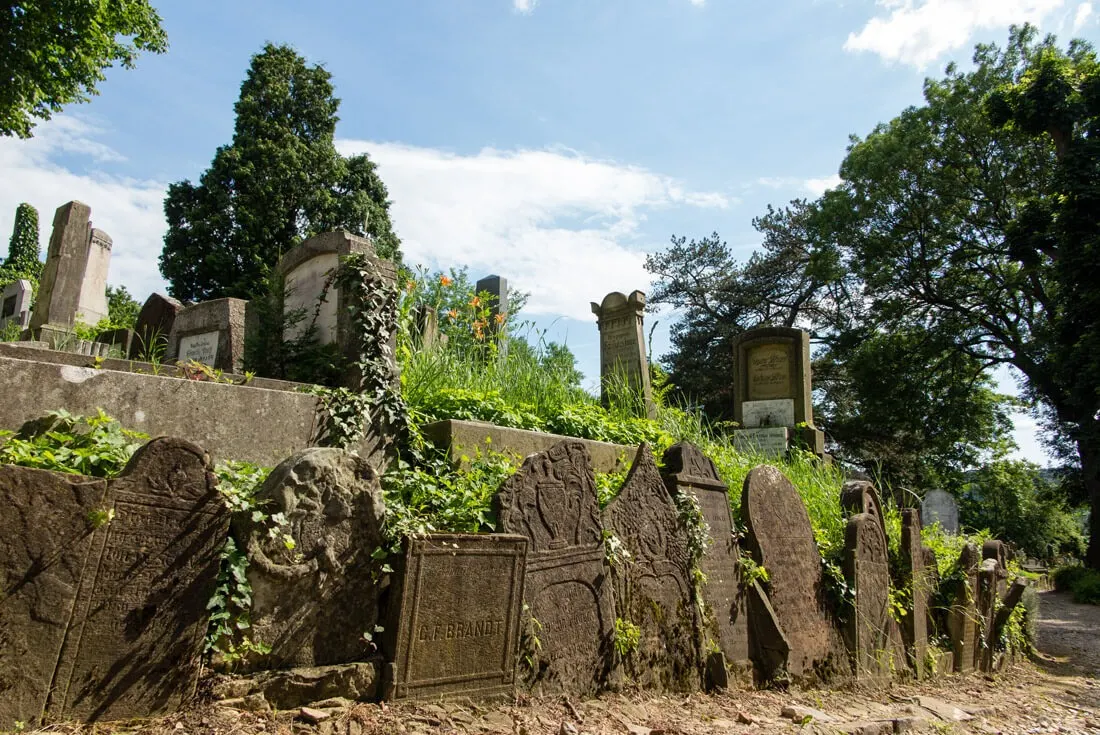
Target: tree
54	53
122	308
279	182
22	260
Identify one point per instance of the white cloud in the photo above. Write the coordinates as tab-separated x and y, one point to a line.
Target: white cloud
1084	10
553	222
917	32
129	210
698	3
814	186
525	6
817	187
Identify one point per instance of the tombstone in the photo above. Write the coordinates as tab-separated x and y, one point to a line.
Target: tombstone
962	617
690	472
307	270
989	573
768	645
1004	611
497	289
781	540
772	441
136	633
622	344
46	540
867	572
457	625
312	603
552	501
74	279
210	332
119	341
998	550
654	588
940	507
915	626
154	327
772	383
15	304
860	496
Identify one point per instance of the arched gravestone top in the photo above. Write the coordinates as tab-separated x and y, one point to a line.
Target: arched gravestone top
654	589
940	507
686	463
781	539
860	496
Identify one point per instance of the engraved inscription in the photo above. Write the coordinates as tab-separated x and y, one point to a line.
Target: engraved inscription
620	345
769	372
200	348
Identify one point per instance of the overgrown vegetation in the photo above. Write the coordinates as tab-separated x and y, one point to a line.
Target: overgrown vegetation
97	445
1083	582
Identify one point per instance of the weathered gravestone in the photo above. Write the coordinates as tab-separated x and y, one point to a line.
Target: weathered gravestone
771	384
457	625
915	626
622	344
313	600
212	333
497	288
689	472
15	304
771	441
113	610
940	507
867	572
998	550
989	572
653	589
154	326
47	535
552	501
781	540
962	617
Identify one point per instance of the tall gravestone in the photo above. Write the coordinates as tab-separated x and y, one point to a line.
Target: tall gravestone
552	501
622	344
312	603
690	472
942	508
653	589
962	617
15	304
781	540
154	327
210	332
497	288
772	394
457	624
867	572
916	618
74	279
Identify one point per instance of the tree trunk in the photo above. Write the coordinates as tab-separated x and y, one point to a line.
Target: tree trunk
1088	447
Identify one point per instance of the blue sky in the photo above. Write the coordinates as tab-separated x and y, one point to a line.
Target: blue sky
553	142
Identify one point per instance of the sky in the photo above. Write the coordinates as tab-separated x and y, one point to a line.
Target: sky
552	142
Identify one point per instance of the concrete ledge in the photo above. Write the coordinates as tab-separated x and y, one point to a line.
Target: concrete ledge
466	437
230	421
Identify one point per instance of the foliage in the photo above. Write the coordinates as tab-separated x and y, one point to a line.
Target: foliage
280	181
22	260
1083	582
54	53
122	308
627	637
97	445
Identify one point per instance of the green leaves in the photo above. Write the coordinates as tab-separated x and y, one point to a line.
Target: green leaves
97	445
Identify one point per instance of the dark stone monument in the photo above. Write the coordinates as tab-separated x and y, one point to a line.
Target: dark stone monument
154	327
136	633
497	288
312	604
622	344
458	620
915	628
781	539
653	590
552	501
688	471
962	617
47	535
211	333
867	571
860	496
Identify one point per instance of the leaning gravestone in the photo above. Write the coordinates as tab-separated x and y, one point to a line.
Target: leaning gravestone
552	501
47	536
136	632
653	589
781	540
689	472
962	617
867	572
313	600
154	327
74	278
940	507
457	625
916	619
622	344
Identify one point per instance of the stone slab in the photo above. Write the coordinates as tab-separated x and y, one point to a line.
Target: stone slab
915	624
773	441
467	437
776	412
940	507
200	348
867	572
459	617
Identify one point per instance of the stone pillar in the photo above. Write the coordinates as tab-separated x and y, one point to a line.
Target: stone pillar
74	279
497	289
622	344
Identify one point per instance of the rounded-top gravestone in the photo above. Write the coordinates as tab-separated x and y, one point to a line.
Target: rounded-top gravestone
940	507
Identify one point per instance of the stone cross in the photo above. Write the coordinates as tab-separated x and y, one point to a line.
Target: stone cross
622	344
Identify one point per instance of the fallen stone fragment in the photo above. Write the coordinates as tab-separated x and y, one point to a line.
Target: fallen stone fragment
313	715
943	710
798	713
863	727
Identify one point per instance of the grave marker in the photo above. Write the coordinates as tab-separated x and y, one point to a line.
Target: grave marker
622	344
940	507
962	617
916	619
15	304
654	589
459	617
552	501
867	572
771	441
497	288
154	326
210	332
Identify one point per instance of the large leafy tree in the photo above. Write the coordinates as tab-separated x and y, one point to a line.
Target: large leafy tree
54	53
22	260
281	180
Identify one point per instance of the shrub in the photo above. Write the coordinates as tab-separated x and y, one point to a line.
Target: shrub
1083	582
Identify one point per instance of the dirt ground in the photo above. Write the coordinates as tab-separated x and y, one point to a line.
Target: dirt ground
1058	691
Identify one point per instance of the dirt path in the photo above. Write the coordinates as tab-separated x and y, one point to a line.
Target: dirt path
1059	692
